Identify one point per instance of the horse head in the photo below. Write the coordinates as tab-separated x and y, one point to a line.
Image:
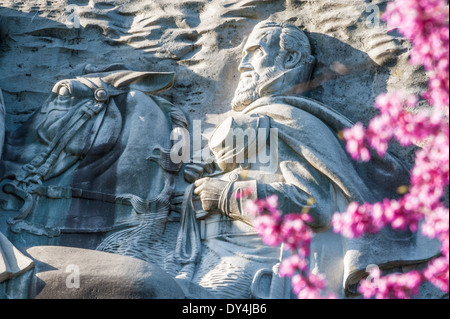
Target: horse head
91	141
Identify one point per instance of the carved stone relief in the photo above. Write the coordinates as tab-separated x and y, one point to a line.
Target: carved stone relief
98	93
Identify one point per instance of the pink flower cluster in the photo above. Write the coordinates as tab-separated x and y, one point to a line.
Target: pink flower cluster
275	229
437	273
305	284
403	286
291	231
436	226
393	286
371	218
395	122
425	24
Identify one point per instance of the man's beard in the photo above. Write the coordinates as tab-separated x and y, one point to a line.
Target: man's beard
246	92
248	89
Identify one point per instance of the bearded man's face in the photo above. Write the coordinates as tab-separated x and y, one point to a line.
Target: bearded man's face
260	64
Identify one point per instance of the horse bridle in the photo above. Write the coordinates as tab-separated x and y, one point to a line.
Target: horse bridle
34	172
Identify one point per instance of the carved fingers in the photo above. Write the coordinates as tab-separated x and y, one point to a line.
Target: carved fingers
209	190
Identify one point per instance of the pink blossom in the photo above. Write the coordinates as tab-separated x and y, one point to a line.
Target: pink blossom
425	24
296	233
356	146
310	287
252	208
436	225
292	264
437	273
393	286
268	226
293	232
359	220
272	203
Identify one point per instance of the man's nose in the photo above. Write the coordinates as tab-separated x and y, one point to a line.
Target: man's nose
245	65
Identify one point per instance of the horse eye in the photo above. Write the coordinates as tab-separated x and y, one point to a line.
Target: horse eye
63	91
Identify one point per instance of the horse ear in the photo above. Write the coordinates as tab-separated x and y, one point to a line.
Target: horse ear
147	82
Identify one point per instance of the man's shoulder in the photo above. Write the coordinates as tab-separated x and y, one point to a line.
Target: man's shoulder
300	108
292	108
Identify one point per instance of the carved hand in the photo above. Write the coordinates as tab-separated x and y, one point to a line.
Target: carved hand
209	189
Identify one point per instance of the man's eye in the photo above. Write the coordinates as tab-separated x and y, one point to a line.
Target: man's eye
259	51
